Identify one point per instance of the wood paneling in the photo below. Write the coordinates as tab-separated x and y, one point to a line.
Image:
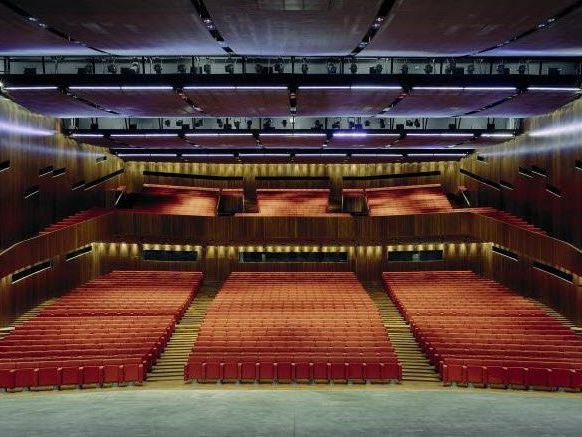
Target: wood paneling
556	155
28	154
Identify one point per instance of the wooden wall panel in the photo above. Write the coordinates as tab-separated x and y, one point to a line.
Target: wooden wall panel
22	218
556	155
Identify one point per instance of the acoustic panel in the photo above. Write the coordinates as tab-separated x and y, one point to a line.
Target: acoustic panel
240	101
344	102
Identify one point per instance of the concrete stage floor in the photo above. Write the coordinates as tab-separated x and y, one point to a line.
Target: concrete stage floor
219	411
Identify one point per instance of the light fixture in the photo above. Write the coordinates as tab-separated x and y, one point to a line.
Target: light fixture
182	69
439	134
428	68
229	67
144	135
279	67
556	89
292	134
30	88
87	135
568	129
207	68
497	135
24	130
331	67
404	69
158	66
353	67
464	88
304	66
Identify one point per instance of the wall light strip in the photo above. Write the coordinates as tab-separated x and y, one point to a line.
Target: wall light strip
351	87
207	155
87	135
25	130
147	155
436	135
551	88
144	135
464	88
217	134
294	134
233	88
122	88
558	130
437	154
497	135
31	88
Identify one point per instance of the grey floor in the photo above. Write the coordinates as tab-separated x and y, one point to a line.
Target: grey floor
289	412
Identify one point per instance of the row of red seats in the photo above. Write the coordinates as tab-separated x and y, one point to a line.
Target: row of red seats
78	340
508	340
293	203
76	218
178	200
266	326
410	199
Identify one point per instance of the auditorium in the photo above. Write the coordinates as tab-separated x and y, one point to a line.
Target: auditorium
290	217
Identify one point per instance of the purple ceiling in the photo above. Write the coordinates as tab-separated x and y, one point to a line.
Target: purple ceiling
241	102
275	103
128	27
19	36
301	28
344	102
454	28
446	102
139	103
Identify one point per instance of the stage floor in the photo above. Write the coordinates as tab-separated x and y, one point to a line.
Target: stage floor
216	411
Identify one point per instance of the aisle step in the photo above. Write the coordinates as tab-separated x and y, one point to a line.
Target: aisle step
415	366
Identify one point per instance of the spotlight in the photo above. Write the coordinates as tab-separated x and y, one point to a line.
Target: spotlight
304	66
258	68
284	123
112	68
451	67
471	69
367	123
229	67
501	69
207	68
134	68
416	123
219	123
279	67
182	68
428	68
267	125
353	67
249	124
331	68
237	125
377	69
522	69
382	123
158	66
318	125
335	125
199	123
404	69
409	123
167	123
351	124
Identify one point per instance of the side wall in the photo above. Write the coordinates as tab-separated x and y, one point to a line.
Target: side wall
26	148
555	154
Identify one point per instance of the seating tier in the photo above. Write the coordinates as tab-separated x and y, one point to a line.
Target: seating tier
110	330
292	327
478	332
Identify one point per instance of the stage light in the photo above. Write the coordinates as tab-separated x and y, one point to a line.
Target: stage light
304	66
112	68
502	70
182	69
353	67
382	123
471	69
404	69
279	67
335	125
522	69
134	68
229	67
249	124
158	66
416	123
219	123
428	68
331	68
207	68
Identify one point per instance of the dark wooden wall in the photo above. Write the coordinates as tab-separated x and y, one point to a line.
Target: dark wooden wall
449	176
21	218
556	155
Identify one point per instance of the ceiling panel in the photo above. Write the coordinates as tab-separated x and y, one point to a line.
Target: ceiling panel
293	27
139	102
173	141
226	140
446	102
55	104
454	28
128	27
19	36
530	103
434	141
293	140
240	102
363	141
562	38
344	102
